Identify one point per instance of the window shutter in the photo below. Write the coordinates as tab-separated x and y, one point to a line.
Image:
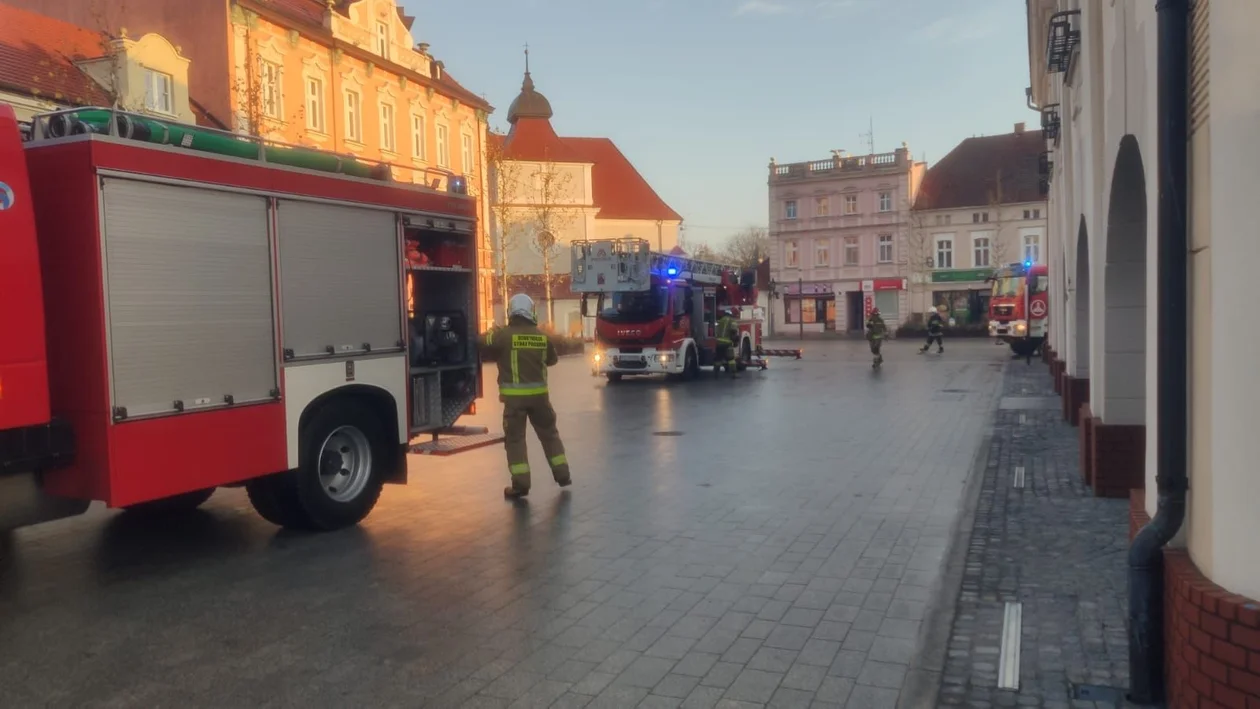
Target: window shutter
1200	50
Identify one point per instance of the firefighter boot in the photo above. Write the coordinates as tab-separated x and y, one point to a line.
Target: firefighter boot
515	417
940	349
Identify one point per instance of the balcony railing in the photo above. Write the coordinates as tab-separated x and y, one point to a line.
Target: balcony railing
840	164
1061	41
1051	123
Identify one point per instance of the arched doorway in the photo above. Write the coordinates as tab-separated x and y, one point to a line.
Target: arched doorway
1080	310
1118	438
1124	276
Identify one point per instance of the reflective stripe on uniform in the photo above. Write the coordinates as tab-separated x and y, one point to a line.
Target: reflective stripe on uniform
516	368
490	337
519	468
558	460
523	388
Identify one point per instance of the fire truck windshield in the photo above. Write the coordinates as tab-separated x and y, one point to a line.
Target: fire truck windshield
1007	287
634	307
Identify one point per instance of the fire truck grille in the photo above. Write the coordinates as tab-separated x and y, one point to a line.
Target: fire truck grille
1004	310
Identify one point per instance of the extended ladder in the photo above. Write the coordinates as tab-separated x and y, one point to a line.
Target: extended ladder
628	264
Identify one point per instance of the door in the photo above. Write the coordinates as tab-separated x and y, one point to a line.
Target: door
886	301
856	319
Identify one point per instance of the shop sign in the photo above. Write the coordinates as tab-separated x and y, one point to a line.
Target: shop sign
962	275
878	284
807	289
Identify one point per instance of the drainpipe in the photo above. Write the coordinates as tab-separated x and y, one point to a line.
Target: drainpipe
1146	579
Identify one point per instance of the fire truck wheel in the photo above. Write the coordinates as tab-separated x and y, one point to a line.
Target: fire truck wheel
745	355
344	456
186	502
691	365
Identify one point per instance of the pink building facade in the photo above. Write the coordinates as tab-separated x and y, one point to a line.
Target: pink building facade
838	229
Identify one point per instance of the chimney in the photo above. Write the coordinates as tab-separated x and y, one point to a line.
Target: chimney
1019	128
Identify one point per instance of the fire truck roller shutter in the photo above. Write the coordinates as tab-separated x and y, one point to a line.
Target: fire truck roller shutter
339	278
189	296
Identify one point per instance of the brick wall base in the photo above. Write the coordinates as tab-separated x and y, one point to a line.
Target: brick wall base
1087	445
1047	354
1211	636
1118	462
1059	371
1075	393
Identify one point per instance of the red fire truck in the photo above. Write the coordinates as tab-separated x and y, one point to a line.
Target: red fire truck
656	313
186	309
1019	306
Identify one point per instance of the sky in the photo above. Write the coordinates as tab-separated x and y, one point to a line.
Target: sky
701	94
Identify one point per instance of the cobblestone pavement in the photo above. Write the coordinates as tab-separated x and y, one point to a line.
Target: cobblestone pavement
783	549
1053	548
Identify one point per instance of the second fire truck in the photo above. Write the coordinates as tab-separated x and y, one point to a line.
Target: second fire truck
1019	306
657	313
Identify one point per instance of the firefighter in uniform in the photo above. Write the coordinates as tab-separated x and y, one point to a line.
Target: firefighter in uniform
935	328
523	353
876	329
727	333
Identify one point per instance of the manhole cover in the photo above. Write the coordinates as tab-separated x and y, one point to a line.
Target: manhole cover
668	433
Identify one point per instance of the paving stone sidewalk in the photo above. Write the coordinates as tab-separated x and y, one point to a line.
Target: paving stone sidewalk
1050	546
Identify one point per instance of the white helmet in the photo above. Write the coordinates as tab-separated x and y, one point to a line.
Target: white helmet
521	305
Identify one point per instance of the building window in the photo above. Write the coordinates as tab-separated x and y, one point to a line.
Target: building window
944	219
157	92
418	149
1032	214
885	201
980	218
443	146
1032	248
389	142
982	247
944	252
315	104
382	39
822	207
791	256
789	209
272	93
850	204
885	248
466	153
822	255
851	251
808	310
354	116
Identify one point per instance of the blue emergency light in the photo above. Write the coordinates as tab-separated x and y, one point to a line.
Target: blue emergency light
1028	264
671	271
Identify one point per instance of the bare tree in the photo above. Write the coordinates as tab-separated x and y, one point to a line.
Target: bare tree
550	213
748	247
916	256
504	184
704	252
999	247
106	16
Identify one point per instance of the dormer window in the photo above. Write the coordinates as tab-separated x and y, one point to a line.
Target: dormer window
158	89
382	39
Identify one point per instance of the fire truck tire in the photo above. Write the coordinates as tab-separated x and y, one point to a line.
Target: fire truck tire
344	457
745	355
186	502
691	365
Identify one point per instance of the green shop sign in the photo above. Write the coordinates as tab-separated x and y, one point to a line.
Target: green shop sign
961	275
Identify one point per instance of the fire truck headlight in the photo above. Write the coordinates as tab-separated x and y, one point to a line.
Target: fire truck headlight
1021	326
598	357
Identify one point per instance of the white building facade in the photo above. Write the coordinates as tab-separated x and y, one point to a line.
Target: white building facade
1138	98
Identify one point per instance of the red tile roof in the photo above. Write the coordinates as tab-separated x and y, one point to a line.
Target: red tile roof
38	54
619	191
975	172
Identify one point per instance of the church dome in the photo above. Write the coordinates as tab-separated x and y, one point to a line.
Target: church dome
529	103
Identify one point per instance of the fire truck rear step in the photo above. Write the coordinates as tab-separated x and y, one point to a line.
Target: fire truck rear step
456	439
